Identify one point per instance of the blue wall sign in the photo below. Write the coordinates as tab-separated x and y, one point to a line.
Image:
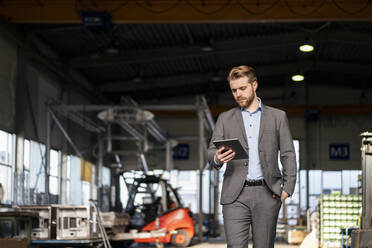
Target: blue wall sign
181	152
339	152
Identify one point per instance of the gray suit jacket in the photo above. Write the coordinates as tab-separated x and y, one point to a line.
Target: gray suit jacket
274	135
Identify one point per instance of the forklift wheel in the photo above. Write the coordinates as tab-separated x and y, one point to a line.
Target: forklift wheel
181	238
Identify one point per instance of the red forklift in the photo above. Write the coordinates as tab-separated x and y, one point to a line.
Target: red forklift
156	213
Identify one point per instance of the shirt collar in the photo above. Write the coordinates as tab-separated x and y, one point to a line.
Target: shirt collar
258	109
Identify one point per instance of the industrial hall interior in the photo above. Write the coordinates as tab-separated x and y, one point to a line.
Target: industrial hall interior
186	123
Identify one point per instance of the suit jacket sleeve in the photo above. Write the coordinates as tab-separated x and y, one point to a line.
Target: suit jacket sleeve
217	135
287	156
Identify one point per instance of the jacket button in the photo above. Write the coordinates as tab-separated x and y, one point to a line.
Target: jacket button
246	163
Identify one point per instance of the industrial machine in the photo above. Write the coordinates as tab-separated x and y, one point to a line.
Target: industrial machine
16	227
157	215
363	238
63	222
64	225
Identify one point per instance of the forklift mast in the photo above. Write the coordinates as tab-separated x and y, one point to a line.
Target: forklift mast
366	150
149	185
362	238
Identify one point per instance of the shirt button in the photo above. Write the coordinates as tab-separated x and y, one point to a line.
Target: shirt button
250	137
246	163
250	125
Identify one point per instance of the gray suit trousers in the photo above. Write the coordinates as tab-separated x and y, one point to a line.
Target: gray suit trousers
255	207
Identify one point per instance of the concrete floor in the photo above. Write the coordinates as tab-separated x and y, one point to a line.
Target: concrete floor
214	243
223	245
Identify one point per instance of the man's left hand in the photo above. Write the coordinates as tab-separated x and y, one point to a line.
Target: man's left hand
284	196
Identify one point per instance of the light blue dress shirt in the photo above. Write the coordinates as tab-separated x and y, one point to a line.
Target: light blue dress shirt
252	129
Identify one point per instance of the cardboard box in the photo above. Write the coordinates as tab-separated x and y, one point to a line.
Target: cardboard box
296	236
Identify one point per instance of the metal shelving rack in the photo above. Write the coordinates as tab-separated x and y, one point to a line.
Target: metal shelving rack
337	212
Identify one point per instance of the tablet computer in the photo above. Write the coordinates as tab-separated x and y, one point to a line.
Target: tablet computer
233	144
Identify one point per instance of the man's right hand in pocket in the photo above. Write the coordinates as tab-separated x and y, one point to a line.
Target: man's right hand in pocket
224	155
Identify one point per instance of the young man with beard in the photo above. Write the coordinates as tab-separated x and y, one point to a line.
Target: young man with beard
253	188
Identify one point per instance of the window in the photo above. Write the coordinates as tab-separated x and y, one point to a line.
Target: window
55	158
75	189
123	192
303	191
106	176
7	142
185	181
315	188
78	191
326	182
34	172
188	183
85	192
68	179
315	182
332	181
36	167
26	171
350	181
292	204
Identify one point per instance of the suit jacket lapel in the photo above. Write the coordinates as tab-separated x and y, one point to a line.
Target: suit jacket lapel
239	118
262	122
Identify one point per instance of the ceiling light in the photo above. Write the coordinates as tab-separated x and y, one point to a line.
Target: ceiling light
112	50
137	80
298	77
207	48
306	48
216	78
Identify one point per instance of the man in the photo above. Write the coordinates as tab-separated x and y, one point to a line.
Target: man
253	188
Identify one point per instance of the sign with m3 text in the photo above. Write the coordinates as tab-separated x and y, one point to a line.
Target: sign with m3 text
339	152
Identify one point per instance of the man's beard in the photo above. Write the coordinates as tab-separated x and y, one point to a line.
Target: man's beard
247	102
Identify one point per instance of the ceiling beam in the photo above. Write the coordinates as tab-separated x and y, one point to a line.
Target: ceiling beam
49	53
300	109
290	109
173	53
170	11
214	91
219	48
194	79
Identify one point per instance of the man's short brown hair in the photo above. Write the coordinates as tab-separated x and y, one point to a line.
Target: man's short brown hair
242	71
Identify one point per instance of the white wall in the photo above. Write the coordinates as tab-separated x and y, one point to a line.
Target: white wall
337	130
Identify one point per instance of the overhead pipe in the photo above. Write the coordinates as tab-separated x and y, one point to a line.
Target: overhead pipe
208	113
65	134
131	130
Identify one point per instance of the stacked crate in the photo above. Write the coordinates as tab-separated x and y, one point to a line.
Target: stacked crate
336	212
281	230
